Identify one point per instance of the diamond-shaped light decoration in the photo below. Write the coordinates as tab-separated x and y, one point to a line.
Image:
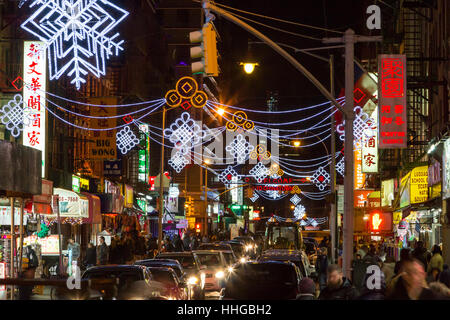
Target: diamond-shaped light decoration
178	161
259	172
299	211
240	148
14	116
321	178
227	175
340	166
126	140
295	199
255	197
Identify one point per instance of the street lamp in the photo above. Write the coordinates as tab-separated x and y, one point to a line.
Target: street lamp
296	143
220	112
249	67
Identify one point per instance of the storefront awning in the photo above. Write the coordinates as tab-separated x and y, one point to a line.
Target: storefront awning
71	204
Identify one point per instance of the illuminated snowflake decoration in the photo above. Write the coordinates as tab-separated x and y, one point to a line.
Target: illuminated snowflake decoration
340	167
299	211
227	175
259	172
275	194
362	128
14	116
77	34
240	148
320	178
126	140
185	133
255	197
178	161
295	199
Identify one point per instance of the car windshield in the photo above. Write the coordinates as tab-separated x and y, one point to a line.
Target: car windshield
228	257
262	281
209	259
282	237
162	276
237	249
187	262
213	247
125	277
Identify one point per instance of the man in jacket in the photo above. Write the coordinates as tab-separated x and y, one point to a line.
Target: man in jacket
102	252
91	256
422	254
321	267
75	248
338	287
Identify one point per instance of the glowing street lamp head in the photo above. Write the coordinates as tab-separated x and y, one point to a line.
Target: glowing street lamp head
249	67
296	143
207	161
220	111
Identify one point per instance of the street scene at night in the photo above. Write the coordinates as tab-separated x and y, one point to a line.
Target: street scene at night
201	150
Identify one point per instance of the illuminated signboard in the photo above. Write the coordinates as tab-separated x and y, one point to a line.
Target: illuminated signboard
405	187
35	79
103	145
446	170
392	101
360	177
370	147
387	192
144	153
419	184
360	198
380	221
49	245
75	183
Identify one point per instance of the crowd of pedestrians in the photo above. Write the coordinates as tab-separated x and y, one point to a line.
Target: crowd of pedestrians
418	275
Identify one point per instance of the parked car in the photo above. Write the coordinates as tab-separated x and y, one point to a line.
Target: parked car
262	280
195	275
174	289
169	263
216	267
132	282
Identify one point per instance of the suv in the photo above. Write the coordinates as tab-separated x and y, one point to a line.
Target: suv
238	248
169	263
250	244
132	282
262	280
195	276
299	258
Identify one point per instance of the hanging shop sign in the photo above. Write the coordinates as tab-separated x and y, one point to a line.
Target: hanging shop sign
370	146
419	184
35	79
392	101
387	192
434	179
144	154
405	187
360	177
112	168
75	183
5	216
128	196
42	203
103	146
374	199
446	170
142	203
360	198
71	204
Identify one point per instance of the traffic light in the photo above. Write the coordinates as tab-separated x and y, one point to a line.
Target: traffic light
207	51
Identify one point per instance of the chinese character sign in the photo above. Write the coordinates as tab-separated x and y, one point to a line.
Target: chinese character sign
370	146
103	146
35	77
392	101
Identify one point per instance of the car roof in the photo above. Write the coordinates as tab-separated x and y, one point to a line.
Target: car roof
180	254
124	267
166	269
268	262
206	251
169	262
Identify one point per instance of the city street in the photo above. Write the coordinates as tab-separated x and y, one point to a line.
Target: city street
199	150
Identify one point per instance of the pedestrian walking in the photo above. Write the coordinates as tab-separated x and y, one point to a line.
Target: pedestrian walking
422	254
338	287
405	254
102	252
411	284
30	262
178	244
91	256
436	261
116	251
74	248
307	289
187	242
322	267
388	267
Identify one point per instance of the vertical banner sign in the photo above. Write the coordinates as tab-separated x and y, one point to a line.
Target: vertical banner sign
392	101
419	184
360	177
370	147
35	77
446	170
144	154
104	145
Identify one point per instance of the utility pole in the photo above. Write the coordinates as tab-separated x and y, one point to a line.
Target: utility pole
205	227
161	186
333	221
349	39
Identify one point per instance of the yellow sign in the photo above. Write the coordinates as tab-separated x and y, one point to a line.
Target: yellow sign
104	145
84	183
360	177
397	217
128	196
419	184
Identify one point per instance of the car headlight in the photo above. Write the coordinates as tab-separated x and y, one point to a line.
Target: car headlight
220	274
243	260
192	280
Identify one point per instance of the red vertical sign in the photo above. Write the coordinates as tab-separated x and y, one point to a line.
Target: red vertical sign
392	101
